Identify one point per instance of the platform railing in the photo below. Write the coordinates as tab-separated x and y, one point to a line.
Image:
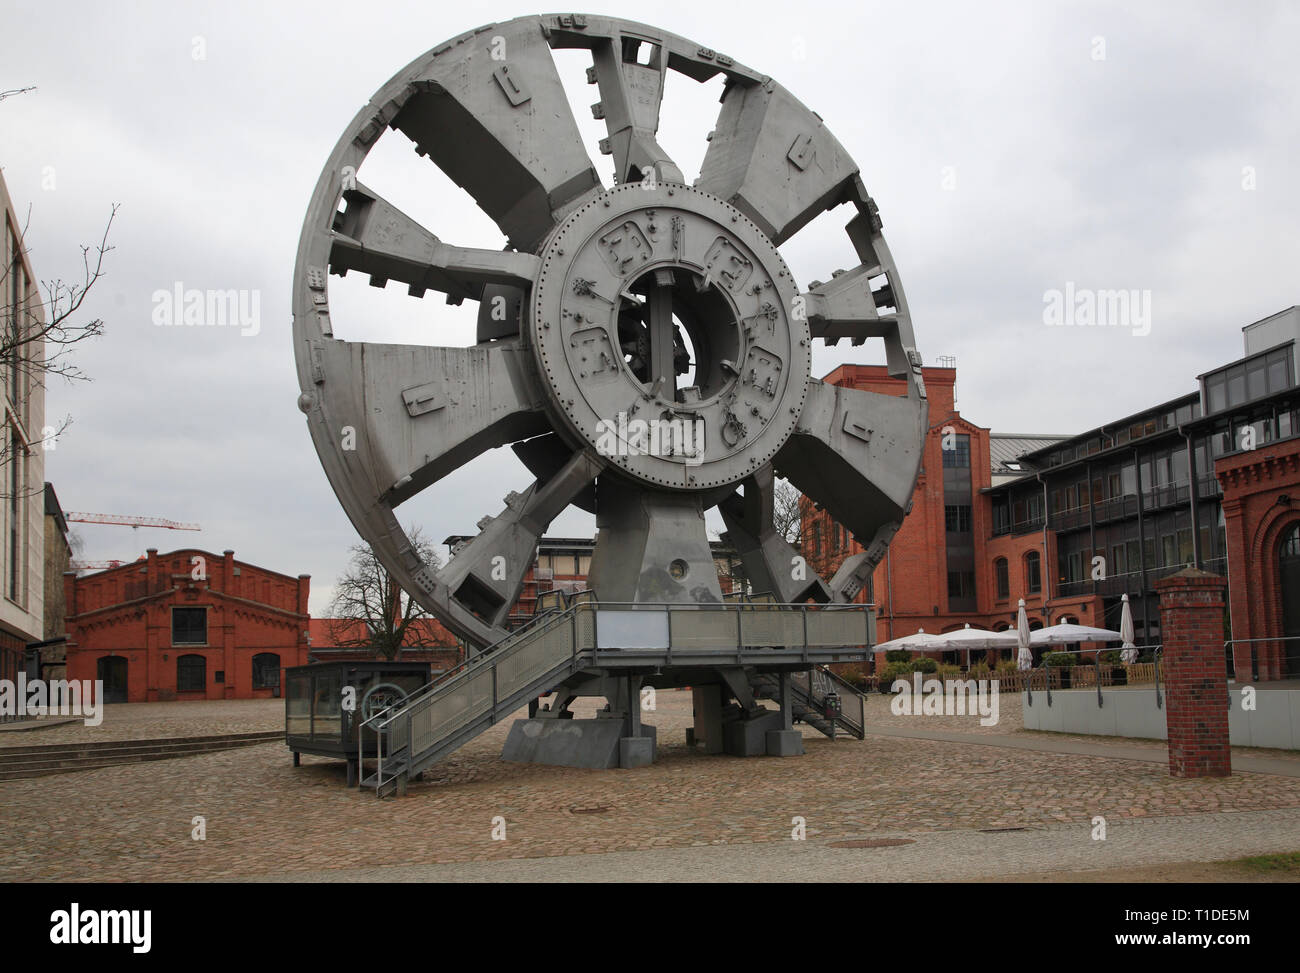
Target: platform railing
476	688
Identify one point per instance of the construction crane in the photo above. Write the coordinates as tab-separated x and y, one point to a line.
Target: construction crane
125	520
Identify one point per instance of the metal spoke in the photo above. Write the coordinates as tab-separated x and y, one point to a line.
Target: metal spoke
491	112
862	479
631	92
401	417
775	160
487	574
375	237
770	562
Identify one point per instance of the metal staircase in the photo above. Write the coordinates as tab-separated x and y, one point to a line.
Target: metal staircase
587	636
465	701
809	701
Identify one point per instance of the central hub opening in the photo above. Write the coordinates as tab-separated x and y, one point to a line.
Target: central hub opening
678	335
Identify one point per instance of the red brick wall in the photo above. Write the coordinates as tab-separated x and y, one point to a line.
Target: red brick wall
1257	519
126	612
1196	696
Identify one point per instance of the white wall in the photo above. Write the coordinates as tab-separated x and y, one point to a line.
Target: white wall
1274	723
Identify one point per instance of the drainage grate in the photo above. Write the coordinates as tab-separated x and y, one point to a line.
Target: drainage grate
873	843
999	830
589	810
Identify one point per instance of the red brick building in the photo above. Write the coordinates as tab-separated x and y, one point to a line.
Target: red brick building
1209	480
186	625
945	567
427	640
1261	507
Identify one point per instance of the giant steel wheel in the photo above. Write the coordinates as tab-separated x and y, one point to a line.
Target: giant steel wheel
602	302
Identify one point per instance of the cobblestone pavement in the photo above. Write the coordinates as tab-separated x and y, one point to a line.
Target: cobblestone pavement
143	721
943	856
264	817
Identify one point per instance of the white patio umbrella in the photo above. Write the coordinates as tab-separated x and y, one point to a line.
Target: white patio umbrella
918	641
977	638
1025	657
1066	633
1129	651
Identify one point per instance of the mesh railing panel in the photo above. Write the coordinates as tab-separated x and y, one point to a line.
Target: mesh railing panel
703	629
433	719
779	629
837	628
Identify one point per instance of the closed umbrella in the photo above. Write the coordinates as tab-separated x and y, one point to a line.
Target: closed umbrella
1129	652
1025	657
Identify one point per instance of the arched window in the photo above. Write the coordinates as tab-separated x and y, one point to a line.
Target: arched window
1290	542
1288	567
191	674
266	671
1033	573
1002	575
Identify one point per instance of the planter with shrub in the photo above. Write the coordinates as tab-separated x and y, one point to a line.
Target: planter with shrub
892	671
1063	661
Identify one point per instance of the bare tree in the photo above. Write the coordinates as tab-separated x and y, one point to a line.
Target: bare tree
787	512
41	327
371	611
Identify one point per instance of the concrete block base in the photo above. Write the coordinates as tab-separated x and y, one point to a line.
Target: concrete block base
636	751
784	743
587	744
747	737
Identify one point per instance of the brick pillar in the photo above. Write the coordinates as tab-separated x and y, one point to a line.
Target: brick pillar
1196	675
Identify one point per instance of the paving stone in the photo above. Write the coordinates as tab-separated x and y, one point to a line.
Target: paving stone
265	817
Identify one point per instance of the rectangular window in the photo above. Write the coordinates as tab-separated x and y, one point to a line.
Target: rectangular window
1035	507
1279	371
1034	574
1257	379
189	626
1236	386
961	584
1003	577
1168	551
191	674
15	568
959	455
1001	516
14	324
956	519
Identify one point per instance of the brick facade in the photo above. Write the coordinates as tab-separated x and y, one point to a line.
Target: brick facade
1261	506
1196	697
120	624
911	584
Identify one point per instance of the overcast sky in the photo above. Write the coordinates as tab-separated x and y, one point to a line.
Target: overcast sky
1012	149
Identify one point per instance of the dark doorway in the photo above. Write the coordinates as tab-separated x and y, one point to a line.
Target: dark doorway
111	670
1289	584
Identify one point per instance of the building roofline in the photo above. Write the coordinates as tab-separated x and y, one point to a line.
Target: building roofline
1116	423
1267	317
